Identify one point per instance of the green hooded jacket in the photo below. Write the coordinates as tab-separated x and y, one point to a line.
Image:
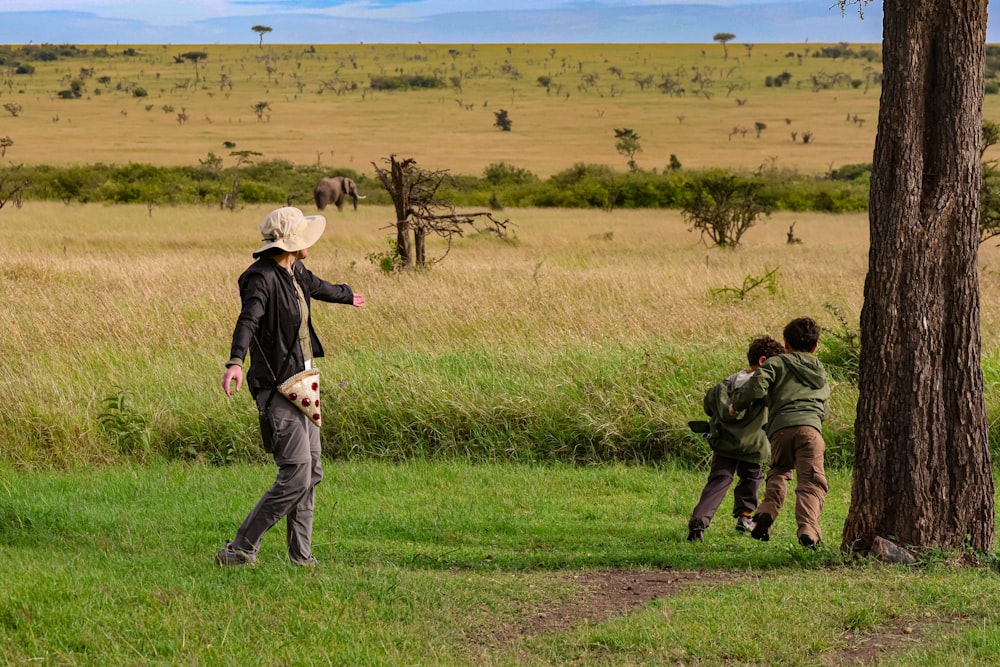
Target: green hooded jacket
741	437
794	388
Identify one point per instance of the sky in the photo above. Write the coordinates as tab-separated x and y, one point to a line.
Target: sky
108	22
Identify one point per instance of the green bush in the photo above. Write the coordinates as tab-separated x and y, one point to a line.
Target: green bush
501	173
405	82
255	192
580	186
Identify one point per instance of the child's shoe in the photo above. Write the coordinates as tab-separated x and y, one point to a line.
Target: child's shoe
762	527
808	542
696	531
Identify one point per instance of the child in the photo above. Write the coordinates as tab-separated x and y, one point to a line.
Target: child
797	395
739	447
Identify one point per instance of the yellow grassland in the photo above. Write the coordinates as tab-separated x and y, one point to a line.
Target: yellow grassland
449	128
81	274
102	299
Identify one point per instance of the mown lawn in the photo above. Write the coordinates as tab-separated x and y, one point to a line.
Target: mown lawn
453	564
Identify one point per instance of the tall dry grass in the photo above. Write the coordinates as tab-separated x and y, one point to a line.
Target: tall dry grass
584	335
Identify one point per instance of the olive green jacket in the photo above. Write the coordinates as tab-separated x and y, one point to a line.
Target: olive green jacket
794	388
741	437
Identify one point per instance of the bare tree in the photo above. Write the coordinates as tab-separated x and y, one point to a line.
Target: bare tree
13	185
420	211
922	469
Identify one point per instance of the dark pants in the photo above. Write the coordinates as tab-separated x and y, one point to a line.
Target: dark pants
720	476
296	449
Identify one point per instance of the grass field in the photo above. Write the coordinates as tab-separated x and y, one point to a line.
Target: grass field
589	336
450	564
586	337
322	107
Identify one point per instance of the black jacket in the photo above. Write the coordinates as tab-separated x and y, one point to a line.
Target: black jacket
268	325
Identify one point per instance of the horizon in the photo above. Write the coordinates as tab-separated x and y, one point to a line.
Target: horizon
103	22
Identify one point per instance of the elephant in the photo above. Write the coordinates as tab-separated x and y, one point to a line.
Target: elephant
332	191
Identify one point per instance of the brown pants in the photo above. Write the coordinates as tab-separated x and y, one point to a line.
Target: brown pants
799	449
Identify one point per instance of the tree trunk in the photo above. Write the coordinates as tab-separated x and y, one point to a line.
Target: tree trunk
403	242
400	200
922	470
419	247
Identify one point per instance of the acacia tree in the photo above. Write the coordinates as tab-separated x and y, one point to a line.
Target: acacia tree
261	30
724	38
723	206
922	470
421	211
194	57
627	144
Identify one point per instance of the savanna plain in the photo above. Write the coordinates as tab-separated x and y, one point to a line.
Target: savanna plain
509	471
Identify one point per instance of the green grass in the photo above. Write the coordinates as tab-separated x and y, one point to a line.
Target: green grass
588	336
421	562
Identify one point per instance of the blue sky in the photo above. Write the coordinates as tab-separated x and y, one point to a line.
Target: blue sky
434	21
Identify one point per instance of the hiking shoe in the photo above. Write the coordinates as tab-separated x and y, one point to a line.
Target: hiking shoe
808	542
762	527
744	523
230	556
696	535
308	562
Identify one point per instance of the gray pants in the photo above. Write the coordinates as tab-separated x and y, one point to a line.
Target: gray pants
296	450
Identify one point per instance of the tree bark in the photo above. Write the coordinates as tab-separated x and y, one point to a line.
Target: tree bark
922	470
420	247
398	191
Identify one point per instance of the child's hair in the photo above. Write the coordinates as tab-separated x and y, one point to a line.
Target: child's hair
802	334
763	346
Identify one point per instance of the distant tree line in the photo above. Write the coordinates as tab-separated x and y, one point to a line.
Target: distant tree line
501	185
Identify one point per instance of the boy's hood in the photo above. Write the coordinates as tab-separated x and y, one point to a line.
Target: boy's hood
737	380
806	367
729	385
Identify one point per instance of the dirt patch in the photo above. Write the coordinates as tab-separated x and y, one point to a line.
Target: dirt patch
870	647
602	595
606	594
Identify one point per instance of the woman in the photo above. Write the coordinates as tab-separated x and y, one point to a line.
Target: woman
275	327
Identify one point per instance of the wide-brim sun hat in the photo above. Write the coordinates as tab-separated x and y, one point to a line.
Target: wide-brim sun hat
290	230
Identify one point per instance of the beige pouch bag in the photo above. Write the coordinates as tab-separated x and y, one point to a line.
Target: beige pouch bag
302	389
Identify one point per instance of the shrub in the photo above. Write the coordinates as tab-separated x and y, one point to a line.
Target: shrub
405	82
501	173
723	206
